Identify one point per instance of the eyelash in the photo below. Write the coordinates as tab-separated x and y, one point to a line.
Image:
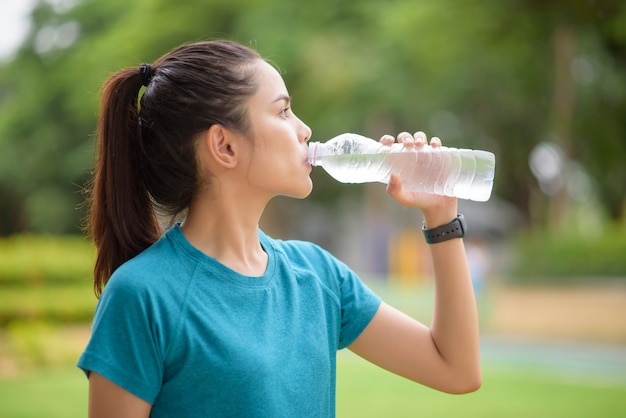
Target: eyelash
283	111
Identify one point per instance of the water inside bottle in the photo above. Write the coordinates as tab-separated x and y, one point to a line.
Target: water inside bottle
484	176
356	168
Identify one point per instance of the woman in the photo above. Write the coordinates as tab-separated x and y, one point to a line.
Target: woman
212	317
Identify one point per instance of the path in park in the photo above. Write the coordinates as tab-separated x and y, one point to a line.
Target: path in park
571	331
602	363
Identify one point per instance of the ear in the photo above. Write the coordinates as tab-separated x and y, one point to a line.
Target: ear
222	146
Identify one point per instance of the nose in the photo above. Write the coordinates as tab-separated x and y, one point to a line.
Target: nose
305	132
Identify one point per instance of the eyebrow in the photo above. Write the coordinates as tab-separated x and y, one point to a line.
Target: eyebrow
284	97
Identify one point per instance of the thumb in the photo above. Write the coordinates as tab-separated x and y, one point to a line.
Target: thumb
394	187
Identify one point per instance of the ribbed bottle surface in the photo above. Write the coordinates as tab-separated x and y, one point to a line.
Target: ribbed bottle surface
352	158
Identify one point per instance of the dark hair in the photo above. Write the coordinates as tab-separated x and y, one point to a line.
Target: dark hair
146	160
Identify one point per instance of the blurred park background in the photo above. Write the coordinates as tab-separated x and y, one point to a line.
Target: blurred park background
542	84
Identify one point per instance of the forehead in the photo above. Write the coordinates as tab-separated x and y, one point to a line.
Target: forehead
271	84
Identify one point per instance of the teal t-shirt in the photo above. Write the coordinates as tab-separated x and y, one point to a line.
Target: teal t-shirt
196	339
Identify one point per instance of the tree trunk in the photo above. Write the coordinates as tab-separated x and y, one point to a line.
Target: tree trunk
562	113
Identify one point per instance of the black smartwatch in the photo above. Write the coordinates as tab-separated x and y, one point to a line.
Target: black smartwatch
454	229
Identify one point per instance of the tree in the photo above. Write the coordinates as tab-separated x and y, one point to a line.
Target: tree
479	75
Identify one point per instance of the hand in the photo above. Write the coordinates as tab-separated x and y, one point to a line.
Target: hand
438	210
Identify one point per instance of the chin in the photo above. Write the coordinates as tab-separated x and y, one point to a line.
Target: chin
302	192
304	196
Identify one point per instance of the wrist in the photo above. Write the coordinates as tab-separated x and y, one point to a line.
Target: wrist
438	217
453	229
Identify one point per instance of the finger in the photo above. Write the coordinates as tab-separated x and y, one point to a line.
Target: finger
387	139
420	138
396	191
405	138
435	141
394	186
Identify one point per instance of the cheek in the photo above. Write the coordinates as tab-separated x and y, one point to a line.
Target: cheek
262	165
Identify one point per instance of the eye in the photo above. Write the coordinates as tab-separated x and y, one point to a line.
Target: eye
284	112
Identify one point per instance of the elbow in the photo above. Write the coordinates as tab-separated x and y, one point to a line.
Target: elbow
457	384
466	384
469	387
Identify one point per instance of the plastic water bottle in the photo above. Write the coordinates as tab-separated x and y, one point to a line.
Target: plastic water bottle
352	158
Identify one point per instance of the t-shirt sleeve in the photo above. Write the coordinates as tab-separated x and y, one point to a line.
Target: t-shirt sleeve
358	305
124	345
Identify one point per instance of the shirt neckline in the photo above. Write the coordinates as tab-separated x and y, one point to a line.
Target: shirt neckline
219	270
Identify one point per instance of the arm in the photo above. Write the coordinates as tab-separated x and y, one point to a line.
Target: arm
445	356
106	399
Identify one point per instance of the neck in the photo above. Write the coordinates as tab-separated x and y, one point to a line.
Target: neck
228	231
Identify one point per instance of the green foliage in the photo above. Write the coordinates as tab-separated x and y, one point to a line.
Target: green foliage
45	260
37	344
570	256
47	278
73	303
478	75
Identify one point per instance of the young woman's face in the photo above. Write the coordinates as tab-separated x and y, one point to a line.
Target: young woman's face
278	160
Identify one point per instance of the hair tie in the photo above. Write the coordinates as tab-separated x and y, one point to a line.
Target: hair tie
144	73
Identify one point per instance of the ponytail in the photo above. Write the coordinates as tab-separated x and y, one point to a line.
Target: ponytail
147	156
123	221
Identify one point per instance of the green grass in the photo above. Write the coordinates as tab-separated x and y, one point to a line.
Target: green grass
50	393
366	391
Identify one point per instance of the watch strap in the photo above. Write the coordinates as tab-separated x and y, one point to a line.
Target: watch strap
454	229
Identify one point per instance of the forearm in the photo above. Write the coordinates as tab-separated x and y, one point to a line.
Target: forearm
446	355
454	327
